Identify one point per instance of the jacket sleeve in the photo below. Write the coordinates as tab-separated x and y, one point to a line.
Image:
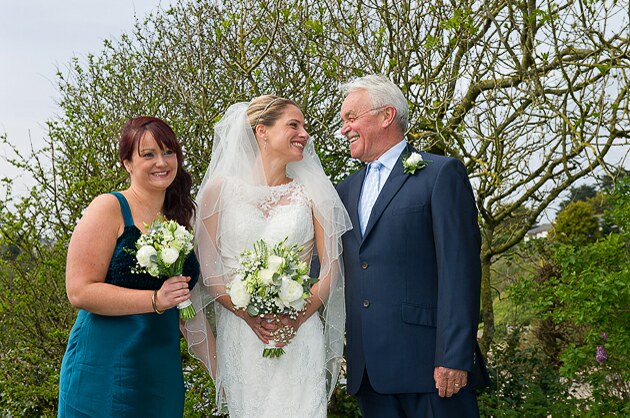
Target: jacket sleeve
457	244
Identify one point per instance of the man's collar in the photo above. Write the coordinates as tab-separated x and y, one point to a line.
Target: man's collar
390	157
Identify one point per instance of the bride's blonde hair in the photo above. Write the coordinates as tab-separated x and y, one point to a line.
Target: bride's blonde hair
265	110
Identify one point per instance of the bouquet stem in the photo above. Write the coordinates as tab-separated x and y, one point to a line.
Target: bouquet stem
271	351
186	310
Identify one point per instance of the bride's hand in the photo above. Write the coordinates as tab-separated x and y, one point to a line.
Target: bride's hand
288	329
263	326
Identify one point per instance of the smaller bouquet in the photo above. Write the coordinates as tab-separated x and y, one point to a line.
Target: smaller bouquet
272	282
162	251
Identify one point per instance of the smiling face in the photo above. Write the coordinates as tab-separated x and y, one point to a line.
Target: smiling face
364	126
286	138
151	167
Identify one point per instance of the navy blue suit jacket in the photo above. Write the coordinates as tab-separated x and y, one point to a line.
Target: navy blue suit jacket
413	280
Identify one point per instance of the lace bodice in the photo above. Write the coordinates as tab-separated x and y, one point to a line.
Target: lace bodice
270	213
255	386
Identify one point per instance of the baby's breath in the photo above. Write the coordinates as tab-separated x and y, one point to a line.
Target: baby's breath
272	281
162	251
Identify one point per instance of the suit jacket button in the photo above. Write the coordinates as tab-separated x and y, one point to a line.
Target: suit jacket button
366	303
364	265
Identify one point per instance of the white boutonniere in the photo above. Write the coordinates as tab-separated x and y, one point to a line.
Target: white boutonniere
413	162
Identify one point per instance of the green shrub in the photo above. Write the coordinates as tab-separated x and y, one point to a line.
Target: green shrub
524	382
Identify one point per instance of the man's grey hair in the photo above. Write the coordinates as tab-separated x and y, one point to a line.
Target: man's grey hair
382	92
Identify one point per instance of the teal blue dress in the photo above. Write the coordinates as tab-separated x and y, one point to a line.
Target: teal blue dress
129	365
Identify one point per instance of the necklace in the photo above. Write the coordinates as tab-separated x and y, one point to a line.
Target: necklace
149	213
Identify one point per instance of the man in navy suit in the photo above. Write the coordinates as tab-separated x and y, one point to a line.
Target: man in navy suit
412	266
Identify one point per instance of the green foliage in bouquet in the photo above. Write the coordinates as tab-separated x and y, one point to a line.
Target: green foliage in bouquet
162	252
272	282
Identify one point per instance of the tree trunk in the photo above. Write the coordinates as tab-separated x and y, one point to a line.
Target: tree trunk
487	310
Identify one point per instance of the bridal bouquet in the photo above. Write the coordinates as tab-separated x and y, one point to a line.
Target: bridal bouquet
162	251
272	281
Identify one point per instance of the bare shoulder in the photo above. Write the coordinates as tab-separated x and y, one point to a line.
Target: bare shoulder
210	192
93	242
103	213
104	205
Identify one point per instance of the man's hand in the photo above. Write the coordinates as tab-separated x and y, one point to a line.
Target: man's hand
449	381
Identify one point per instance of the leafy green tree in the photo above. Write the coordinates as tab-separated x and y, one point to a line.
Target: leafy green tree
583	192
582	306
610	179
35	318
576	223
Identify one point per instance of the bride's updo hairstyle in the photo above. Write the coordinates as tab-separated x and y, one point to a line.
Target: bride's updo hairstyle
265	110
178	204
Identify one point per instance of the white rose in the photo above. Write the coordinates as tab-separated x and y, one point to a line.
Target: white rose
238	294
266	275
182	233
414	158
144	255
290	291
279	303
170	255
298	305
274	262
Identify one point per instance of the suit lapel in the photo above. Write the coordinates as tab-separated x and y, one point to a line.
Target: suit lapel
394	182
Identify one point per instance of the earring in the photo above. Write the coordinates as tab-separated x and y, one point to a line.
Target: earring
265	145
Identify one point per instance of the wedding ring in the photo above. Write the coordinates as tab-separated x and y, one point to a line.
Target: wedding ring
456	385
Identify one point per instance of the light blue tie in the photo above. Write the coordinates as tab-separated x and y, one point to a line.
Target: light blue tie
369	193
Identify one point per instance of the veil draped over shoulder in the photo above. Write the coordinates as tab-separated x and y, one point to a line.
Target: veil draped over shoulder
236	157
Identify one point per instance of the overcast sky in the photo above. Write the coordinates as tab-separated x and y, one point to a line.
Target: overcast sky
39	36
36	38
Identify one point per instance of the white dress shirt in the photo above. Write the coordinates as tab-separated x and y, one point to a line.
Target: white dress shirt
389	160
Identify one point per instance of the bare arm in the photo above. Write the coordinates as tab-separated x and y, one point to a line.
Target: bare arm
89	254
321	289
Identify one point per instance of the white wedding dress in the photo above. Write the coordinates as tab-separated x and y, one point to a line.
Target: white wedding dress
293	385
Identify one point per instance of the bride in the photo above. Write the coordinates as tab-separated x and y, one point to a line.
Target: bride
265	181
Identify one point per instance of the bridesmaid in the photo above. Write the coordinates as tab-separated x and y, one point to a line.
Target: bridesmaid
123	356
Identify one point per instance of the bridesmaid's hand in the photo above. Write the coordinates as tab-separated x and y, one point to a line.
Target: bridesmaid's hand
173	292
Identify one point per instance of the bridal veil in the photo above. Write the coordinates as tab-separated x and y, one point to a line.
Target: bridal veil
236	156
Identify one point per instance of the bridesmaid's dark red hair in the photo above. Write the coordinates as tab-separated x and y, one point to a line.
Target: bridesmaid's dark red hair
178	204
